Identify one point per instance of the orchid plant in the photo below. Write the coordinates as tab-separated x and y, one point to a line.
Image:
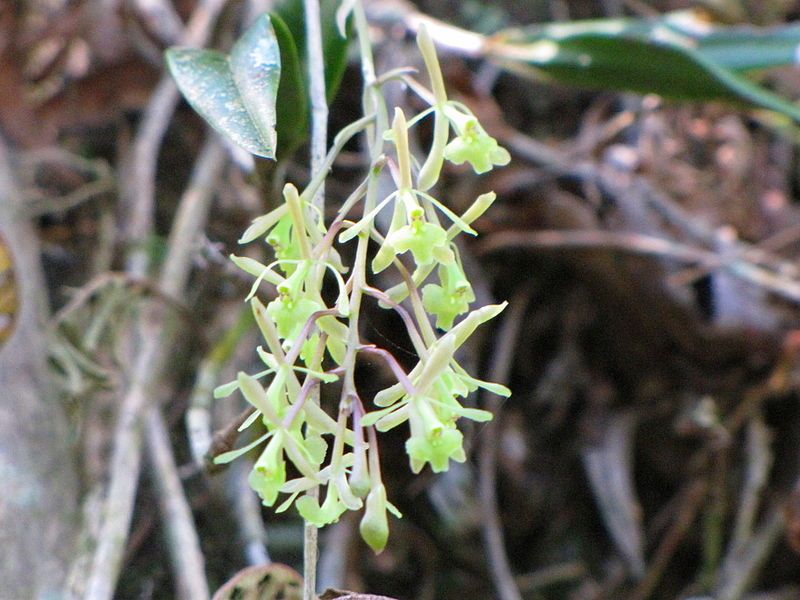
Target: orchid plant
308	342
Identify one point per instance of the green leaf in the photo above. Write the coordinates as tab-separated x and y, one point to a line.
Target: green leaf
235	94
292	105
334	46
749	48
679	56
255	63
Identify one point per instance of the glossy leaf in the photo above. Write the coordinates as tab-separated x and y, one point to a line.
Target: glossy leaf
680	56
749	48
255	63
236	94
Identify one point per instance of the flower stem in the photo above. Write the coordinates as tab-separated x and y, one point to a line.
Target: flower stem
319	141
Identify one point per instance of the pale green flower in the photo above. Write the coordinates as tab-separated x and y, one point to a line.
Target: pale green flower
290	314
284	243
474	145
427	242
330	511
269	472
438	448
449	299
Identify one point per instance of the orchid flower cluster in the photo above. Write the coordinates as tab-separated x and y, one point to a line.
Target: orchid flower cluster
309	342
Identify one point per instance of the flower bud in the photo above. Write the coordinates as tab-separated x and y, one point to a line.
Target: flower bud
374	525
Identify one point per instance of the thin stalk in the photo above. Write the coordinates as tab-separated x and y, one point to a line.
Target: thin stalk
373	104
319	142
317	179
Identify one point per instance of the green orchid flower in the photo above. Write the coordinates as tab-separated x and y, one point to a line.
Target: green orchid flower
426	241
290	314
442	444
284	244
269	472
449	299
330	511
473	144
295	432
410	230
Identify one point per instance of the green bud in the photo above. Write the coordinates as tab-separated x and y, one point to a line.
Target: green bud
359	479
374	525
390	395
429	172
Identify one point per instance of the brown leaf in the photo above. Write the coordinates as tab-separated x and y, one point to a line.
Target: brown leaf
263	582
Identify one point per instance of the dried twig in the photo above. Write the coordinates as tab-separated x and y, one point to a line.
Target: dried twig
759	461
247	511
334	553
487	463
160	18
102	180
39	497
609	466
225	439
198	415
632	243
138	181
186	554
742	261
551	575
125	460
125	464
741	567
693	498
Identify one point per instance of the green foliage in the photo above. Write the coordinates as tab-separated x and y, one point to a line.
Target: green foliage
680	55
292	101
257	95
235	93
334	45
